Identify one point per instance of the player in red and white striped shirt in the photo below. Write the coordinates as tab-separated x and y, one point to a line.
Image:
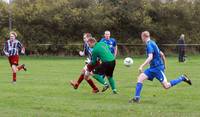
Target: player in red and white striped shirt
86	71
12	48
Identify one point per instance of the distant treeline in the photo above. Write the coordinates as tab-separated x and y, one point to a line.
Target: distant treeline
64	21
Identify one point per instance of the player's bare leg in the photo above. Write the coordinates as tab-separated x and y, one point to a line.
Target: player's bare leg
182	78
20	67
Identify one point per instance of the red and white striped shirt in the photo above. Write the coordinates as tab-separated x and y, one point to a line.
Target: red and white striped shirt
12	47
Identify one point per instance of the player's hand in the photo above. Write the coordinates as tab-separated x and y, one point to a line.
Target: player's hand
6	53
140	69
91	73
81	53
23	51
87	61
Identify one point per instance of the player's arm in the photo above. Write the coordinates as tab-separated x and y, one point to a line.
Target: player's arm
116	49
163	58
146	62
150	52
83	53
5	49
21	48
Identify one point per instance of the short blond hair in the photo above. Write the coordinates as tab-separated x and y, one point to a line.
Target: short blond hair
107	32
146	33
14	33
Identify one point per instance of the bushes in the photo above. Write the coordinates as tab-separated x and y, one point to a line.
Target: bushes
64	21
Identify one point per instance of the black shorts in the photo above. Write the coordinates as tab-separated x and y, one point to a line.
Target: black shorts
105	68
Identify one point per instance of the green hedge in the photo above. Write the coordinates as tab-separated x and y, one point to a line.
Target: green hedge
64	21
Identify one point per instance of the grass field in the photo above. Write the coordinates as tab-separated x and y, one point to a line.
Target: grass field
44	91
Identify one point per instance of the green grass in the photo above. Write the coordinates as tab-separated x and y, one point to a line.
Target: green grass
44	91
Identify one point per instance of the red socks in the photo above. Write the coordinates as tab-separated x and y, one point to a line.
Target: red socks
81	77
91	83
14	77
15	74
20	67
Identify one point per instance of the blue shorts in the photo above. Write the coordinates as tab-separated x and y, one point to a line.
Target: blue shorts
156	72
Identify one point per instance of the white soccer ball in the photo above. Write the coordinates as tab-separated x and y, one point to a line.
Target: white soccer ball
128	61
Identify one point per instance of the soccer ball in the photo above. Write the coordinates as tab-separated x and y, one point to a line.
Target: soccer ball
128	61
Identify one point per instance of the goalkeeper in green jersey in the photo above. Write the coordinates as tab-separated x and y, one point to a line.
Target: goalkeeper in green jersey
101	51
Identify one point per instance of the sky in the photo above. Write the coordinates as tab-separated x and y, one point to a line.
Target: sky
6	1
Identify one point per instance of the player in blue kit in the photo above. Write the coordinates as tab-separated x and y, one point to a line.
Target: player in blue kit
156	59
111	42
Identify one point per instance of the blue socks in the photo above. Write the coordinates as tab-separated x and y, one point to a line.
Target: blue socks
138	90
139	85
176	81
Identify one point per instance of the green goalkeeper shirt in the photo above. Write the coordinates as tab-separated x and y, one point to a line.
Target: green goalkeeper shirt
101	51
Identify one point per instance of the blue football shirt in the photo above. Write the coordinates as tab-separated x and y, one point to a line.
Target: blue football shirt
151	47
111	43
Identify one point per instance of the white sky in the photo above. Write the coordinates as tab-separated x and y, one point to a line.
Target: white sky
6	1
